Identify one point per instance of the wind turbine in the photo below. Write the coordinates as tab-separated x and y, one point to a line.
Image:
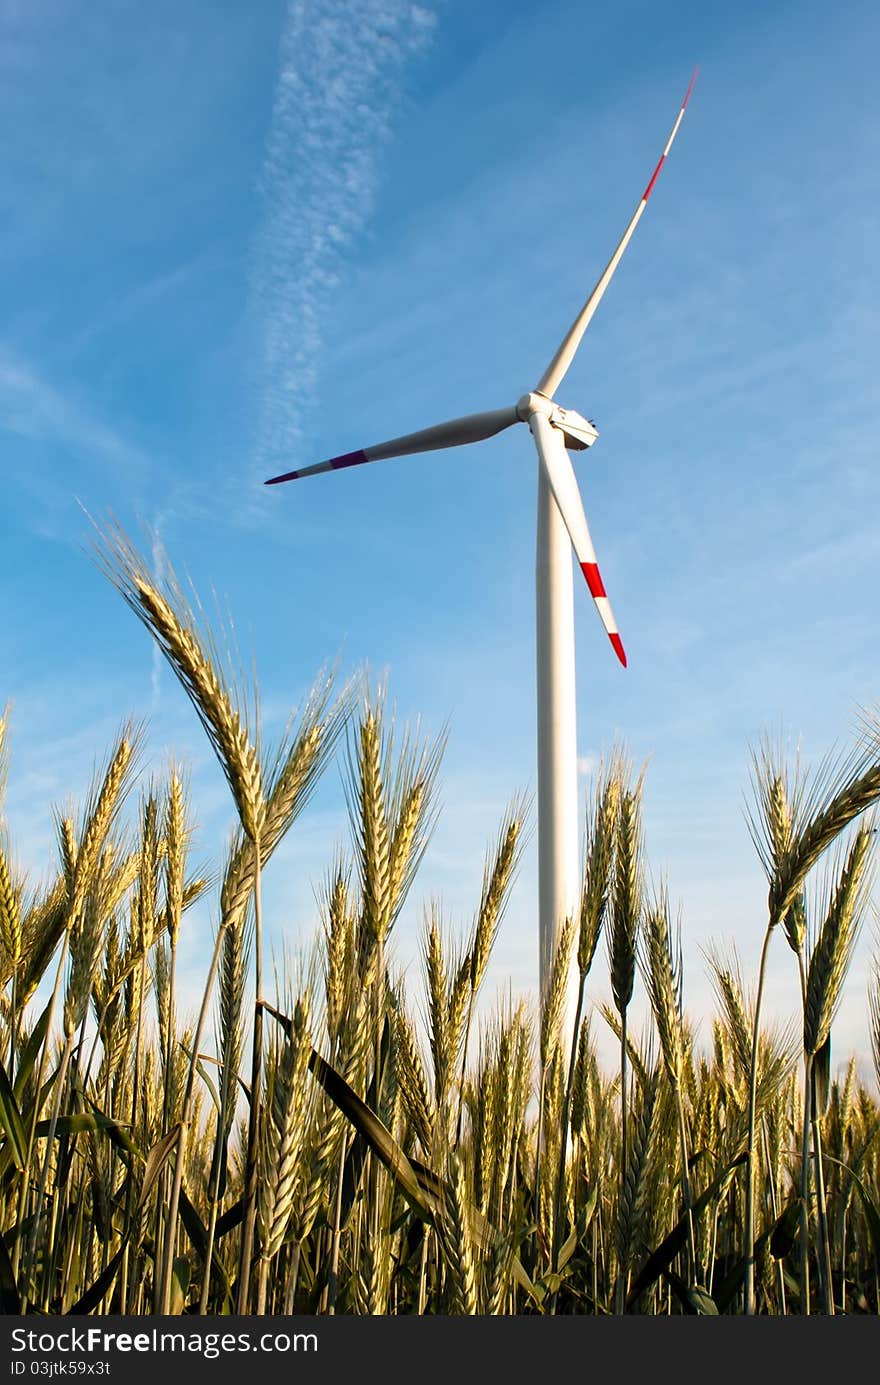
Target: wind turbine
562	525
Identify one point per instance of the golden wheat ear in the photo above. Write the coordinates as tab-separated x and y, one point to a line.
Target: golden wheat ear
192	653
833	950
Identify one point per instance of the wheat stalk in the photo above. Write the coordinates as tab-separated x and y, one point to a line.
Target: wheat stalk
728	986
176	838
633	1207
413	1082
459	1243
373	823
81	861
833	950
283	1139
554	995
600	836
10	914
661	969
438	1013
627	900
858	794
171	622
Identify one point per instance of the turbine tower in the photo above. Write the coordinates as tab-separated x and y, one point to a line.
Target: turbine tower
562	525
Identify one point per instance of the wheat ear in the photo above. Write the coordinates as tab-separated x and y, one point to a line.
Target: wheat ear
172	624
831	955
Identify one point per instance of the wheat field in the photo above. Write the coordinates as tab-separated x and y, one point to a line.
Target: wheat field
334	1144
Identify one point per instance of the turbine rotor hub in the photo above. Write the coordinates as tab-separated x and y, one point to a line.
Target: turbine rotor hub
579	432
534	403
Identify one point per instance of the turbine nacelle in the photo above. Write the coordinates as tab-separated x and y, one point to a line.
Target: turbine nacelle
579	432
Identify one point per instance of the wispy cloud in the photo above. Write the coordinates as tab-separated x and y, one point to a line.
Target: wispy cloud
32	408
338	86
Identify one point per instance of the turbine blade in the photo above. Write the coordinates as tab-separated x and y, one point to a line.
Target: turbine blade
472	428
563	482
555	372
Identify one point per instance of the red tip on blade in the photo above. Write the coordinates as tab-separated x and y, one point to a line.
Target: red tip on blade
655	175
276	480
617	642
594	579
687	95
349	459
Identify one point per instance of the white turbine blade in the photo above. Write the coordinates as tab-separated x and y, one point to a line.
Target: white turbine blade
563	483
555	372
472	428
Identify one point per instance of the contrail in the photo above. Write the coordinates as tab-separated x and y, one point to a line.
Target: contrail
340	76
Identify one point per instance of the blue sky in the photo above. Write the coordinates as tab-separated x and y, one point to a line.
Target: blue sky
238	237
